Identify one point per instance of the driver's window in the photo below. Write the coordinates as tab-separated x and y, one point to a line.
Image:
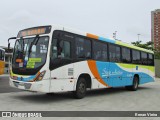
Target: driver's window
66	51
61	49
54	49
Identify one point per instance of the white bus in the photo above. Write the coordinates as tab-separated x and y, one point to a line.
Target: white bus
55	58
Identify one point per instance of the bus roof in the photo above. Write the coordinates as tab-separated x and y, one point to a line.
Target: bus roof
89	35
2	49
117	42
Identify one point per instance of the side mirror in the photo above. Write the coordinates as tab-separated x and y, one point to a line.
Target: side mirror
8	46
9	40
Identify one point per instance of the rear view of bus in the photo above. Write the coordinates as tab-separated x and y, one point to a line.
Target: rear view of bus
2	61
30	60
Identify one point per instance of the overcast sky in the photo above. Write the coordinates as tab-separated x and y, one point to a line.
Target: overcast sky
101	17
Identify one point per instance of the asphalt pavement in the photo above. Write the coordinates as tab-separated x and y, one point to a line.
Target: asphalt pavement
146	98
4	85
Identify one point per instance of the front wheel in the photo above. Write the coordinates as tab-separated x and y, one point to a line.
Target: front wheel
80	89
134	87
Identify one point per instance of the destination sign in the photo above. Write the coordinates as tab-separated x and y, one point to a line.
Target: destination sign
34	31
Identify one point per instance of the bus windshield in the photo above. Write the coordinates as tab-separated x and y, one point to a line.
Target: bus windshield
30	53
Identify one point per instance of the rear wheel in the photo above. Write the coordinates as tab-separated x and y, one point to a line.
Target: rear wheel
80	89
134	87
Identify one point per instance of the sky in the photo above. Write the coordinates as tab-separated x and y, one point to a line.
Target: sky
100	17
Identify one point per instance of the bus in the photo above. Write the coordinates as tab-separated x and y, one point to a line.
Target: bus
53	58
2	61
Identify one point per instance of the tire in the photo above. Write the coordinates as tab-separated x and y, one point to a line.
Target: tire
80	88
134	87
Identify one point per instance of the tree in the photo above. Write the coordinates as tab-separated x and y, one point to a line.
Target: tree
147	45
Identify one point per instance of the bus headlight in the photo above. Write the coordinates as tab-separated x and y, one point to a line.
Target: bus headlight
41	75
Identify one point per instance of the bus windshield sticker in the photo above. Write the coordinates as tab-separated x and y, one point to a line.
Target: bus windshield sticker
35	59
18	60
31	63
30	66
21	64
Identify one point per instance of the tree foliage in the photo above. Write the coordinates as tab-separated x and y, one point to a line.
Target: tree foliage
147	45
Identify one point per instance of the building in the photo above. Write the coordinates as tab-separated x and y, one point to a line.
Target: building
8	57
155	28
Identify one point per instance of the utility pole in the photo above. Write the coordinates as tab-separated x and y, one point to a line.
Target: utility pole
138	36
115	35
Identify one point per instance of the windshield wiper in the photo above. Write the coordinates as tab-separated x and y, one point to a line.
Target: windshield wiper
35	41
20	51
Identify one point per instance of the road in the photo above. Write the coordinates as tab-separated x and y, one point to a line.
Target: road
147	98
4	85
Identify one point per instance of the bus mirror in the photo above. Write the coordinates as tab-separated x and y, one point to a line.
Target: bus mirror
8	46
9	40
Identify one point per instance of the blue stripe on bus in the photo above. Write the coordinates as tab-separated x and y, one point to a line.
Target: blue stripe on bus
26	79
115	76
107	40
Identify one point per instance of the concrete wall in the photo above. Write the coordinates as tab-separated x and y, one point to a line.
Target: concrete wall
157	68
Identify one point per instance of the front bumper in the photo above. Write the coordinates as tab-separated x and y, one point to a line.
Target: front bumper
39	86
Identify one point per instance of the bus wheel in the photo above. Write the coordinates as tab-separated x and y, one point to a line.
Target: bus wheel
80	89
134	87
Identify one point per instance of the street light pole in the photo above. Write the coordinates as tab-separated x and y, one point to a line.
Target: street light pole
115	35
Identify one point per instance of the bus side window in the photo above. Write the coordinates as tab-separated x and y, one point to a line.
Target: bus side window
150	59
0	55
83	48
66	49
136	59
144	58
54	49
3	55
61	49
114	53
126	55
100	51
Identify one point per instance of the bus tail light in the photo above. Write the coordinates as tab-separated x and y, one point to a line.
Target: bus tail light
40	76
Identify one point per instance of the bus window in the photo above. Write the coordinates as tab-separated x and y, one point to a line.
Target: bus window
66	51
61	49
126	55
150	59
100	51
2	54
144	58
54	49
114	53
136	57
83	48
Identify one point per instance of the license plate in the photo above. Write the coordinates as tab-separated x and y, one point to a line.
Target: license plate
21	84
21	87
